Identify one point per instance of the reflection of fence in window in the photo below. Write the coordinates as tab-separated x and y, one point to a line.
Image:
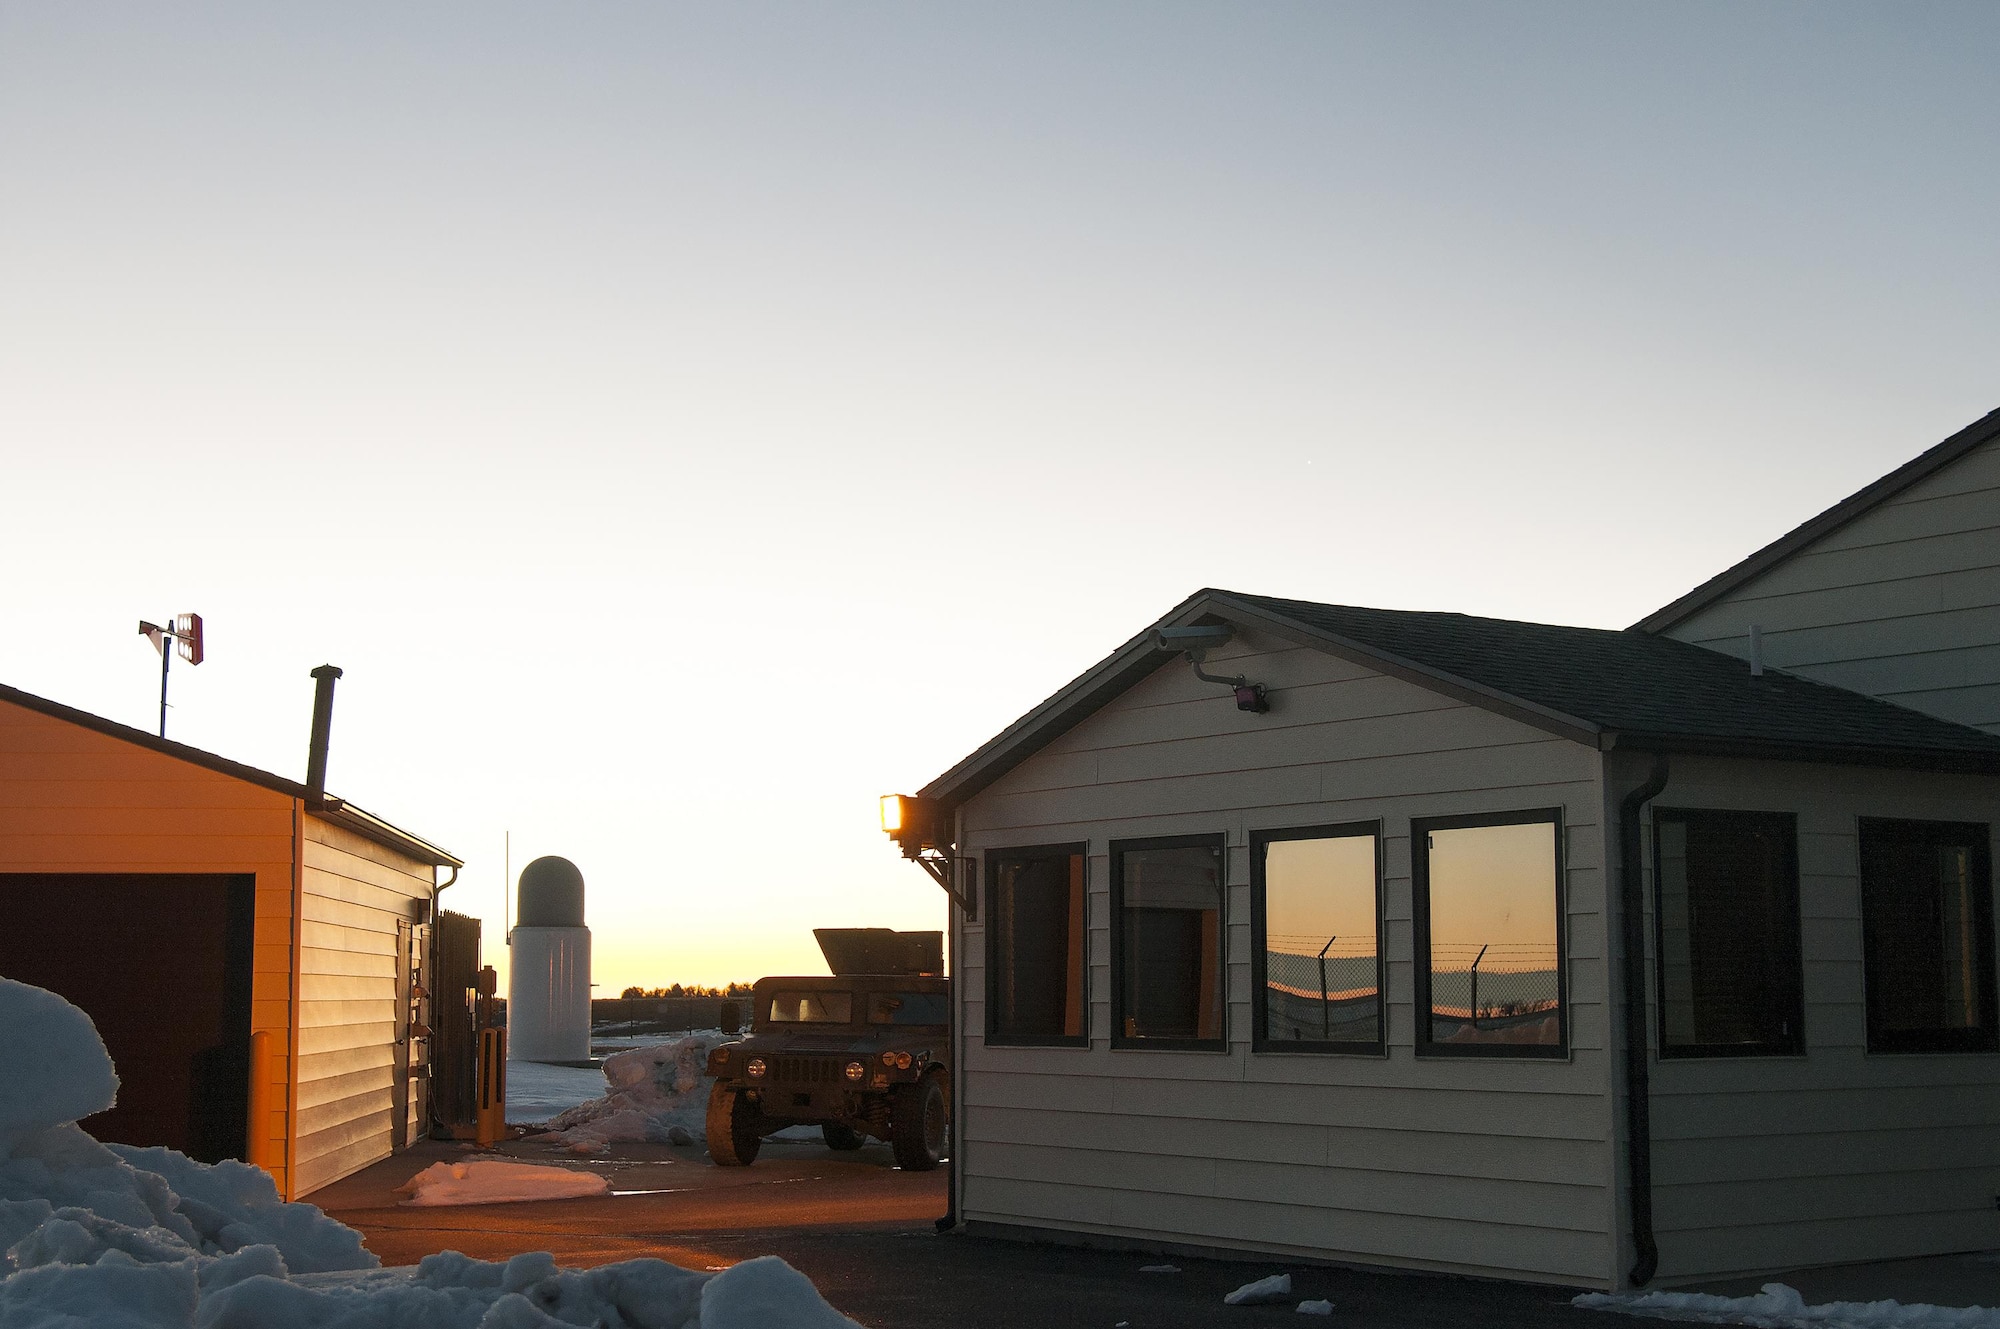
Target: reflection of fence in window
1493	986
1320	988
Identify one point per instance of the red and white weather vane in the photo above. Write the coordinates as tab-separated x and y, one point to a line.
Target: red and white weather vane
185	634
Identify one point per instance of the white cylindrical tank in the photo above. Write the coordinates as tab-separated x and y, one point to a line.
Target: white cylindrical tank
548	983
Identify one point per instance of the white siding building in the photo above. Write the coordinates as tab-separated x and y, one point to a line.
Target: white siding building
1347	980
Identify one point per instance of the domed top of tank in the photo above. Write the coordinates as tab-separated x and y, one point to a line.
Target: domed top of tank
551	895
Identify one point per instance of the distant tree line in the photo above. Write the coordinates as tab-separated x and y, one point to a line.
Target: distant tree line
689	990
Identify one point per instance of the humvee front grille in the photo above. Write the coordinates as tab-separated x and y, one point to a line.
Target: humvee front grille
805	1070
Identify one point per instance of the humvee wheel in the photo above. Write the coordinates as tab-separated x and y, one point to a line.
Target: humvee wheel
841	1137
919	1123
732	1128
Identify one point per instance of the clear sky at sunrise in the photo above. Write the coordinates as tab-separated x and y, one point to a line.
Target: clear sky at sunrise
684	423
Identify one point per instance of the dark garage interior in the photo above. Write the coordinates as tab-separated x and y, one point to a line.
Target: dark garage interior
161	962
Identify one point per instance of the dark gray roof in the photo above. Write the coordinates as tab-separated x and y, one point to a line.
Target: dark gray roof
1924	464
1641	686
1598	687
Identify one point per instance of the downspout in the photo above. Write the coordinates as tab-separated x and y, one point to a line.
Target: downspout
1638	1082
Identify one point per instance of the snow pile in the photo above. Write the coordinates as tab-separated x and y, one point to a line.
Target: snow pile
497	1181
657	1093
1278	1287
109	1237
1315	1308
1781	1307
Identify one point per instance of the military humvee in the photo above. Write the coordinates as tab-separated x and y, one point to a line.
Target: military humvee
865	1052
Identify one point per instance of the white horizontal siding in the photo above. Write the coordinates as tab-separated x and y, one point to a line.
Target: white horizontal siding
349	1060
1776	1162
1498	1167
1903	602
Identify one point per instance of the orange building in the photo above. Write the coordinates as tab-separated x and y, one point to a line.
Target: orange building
255	952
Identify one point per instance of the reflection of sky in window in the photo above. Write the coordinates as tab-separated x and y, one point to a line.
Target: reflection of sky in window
1316	889
1493	886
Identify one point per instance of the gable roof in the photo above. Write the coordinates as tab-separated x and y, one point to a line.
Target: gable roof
321	804
1598	687
1925	464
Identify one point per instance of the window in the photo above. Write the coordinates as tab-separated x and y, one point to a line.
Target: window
1927	936
909	1008
1034	945
812	1007
1489	934
1316	905
1166	919
1726	908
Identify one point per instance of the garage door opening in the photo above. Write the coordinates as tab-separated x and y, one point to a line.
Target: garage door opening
162	963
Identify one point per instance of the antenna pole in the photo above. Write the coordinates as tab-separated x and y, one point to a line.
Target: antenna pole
166	658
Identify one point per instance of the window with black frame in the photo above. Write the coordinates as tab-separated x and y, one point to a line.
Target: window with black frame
1927	936
1726	911
1166	918
1316	910
1489	932
1034	945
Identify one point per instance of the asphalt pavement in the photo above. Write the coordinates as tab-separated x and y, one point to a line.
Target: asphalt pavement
864	1231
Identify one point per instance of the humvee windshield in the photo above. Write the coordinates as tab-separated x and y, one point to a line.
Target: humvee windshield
908	1008
811	1007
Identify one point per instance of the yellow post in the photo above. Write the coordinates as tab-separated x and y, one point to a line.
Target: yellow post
257	1132
491	1121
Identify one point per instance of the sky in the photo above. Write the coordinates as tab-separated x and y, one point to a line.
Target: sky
685	423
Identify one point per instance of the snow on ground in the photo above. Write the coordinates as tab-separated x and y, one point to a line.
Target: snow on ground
498	1181
1781	1307
657	1093
537	1091
109	1237
1278	1287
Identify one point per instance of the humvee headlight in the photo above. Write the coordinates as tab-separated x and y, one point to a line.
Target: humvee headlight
755	1068
902	1061
888	1059
855	1071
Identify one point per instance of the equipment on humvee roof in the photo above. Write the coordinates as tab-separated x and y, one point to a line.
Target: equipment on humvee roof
865	1052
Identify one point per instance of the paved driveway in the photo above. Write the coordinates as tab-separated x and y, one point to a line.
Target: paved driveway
865	1233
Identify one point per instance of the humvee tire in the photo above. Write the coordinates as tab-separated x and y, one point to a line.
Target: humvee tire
919	1119
732	1128
841	1137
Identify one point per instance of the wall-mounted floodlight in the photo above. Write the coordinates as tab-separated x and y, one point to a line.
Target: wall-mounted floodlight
920	830
185	634
1196	643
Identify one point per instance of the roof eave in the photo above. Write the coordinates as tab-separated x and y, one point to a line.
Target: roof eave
1923	465
317	802
1942	760
1139	657
388	835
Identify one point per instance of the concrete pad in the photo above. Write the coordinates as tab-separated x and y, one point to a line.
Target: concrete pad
667	1201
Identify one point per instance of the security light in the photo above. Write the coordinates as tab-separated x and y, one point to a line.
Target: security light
1195	643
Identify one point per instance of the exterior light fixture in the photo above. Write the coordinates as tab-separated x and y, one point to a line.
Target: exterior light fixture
923	832
1195	643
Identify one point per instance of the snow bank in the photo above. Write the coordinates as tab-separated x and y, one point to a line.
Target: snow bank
1315	1308
108	1237
657	1093
497	1181
56	1067
1781	1307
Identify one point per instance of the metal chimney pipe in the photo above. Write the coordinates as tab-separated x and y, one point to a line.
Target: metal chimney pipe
322	728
